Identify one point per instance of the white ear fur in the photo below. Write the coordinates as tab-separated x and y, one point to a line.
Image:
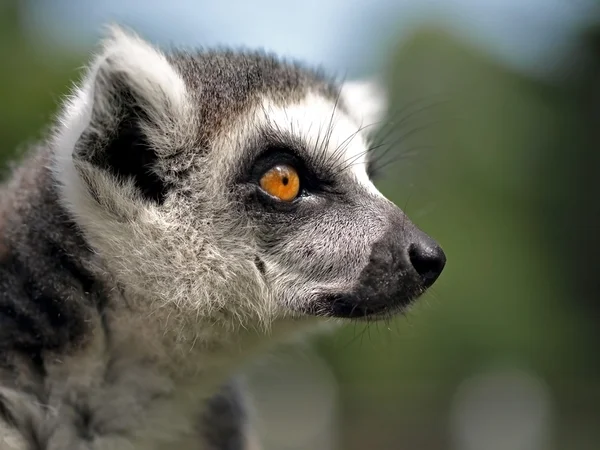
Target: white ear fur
144	69
125	60
366	101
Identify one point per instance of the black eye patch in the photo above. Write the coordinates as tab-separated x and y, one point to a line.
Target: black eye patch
268	151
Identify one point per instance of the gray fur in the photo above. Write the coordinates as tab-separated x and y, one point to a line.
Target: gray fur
141	265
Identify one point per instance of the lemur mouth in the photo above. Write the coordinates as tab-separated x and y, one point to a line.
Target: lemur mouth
350	305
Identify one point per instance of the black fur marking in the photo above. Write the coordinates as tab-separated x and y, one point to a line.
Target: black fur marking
6	414
116	141
43	279
83	422
224	422
260	265
70	265
129	155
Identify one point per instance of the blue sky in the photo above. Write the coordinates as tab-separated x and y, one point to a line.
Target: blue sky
340	35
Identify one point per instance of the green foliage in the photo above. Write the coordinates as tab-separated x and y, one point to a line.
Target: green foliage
32	82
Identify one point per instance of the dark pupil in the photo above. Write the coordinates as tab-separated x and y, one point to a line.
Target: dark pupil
284	180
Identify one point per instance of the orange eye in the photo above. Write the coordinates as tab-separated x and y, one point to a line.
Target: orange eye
282	182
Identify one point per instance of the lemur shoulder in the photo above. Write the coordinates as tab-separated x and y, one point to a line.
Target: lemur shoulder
188	210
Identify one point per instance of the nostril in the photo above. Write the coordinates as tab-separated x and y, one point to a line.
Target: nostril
428	261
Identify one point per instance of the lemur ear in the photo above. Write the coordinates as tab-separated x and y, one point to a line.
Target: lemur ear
366	101
131	111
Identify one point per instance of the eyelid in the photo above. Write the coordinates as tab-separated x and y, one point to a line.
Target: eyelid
271	157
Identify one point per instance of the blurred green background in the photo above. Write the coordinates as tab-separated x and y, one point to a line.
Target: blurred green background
502	166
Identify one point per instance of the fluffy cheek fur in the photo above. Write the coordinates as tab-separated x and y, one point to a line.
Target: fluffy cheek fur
182	256
308	263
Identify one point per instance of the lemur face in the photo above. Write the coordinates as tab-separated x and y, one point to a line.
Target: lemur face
329	242
235	185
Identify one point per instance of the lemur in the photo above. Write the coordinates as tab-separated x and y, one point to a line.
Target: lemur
188	210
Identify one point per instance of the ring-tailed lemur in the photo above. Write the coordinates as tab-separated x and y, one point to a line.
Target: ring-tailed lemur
188	210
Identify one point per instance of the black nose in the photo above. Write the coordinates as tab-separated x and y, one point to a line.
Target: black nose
427	258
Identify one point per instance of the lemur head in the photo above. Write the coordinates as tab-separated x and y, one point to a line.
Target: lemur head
234	186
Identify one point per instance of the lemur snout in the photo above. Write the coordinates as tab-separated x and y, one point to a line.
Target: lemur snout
403	263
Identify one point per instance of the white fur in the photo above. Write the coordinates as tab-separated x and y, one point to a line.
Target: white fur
366	101
323	126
